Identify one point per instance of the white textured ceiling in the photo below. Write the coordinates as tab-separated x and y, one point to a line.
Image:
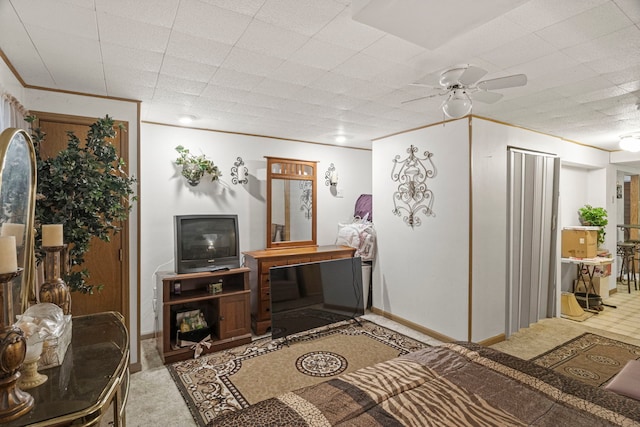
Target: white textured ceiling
304	69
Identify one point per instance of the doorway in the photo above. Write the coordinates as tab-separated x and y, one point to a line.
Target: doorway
532	204
107	262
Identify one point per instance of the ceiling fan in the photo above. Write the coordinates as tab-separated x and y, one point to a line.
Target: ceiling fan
462	85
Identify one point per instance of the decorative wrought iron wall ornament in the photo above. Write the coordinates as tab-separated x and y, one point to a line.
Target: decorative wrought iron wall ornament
411	174
330	176
305	198
237	169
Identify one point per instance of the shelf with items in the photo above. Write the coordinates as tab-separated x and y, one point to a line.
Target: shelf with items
210	306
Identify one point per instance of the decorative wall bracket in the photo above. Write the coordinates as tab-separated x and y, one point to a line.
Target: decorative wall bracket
413	195
305	198
239	172
330	176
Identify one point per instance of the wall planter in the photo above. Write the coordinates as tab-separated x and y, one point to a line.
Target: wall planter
195	167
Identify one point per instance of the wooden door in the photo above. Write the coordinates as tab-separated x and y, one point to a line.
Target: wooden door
107	262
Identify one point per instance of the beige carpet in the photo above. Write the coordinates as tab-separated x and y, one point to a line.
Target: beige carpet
235	378
590	358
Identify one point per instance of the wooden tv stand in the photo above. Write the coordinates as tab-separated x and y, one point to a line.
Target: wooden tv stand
261	261
226	313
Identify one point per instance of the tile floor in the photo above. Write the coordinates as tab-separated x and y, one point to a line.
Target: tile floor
155	400
625	318
621	323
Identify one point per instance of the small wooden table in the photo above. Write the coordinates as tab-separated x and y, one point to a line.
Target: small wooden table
93	376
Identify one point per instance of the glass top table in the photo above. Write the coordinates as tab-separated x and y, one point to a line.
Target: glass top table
93	375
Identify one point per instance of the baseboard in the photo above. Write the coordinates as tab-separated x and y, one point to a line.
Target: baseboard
135	367
493	340
147	336
412	325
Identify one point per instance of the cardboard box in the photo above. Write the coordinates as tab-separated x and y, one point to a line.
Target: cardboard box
54	348
603	270
579	243
600	284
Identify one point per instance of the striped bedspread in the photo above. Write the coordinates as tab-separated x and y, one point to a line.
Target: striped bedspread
458	384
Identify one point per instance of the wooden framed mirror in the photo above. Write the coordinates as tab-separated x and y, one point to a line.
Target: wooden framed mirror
291	202
17	204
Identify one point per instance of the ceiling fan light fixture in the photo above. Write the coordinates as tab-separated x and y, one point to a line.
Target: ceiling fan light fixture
458	105
630	143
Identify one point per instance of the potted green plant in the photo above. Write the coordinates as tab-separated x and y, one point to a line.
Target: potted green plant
194	167
595	217
86	189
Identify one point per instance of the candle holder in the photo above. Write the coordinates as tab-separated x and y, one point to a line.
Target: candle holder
30	376
54	290
13	347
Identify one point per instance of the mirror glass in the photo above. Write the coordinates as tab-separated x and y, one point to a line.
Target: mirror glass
17	198
291	205
291	212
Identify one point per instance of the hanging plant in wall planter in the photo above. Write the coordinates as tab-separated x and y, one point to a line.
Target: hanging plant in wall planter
595	217
194	167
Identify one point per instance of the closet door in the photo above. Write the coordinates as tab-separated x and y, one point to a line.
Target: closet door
107	262
532	218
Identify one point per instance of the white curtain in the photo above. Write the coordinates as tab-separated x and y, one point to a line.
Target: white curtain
12	113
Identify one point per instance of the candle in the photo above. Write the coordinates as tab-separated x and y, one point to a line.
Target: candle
8	257
52	235
16	230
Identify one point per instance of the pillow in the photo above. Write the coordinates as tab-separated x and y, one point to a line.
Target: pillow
627	381
360	236
348	235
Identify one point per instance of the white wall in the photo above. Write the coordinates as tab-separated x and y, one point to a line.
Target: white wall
165	193
573	189
421	274
10	84
490	142
87	106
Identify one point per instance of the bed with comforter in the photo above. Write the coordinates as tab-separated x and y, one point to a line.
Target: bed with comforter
453	384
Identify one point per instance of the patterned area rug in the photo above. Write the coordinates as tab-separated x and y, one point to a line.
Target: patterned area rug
589	358
233	379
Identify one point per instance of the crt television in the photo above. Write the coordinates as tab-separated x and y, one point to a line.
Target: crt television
206	242
310	295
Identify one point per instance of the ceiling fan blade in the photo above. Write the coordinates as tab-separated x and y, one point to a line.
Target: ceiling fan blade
503	82
421	85
486	97
471	75
433	95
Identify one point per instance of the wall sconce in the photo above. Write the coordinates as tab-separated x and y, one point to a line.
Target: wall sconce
331	176
238	169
